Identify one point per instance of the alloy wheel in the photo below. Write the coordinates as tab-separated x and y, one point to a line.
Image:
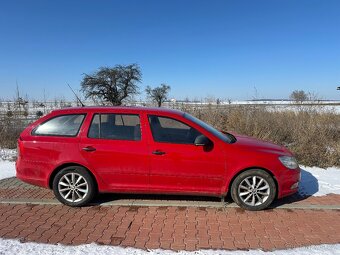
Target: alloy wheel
73	187
254	190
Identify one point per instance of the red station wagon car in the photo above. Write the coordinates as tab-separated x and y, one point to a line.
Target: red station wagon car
78	152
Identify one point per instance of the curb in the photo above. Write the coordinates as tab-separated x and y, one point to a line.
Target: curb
166	203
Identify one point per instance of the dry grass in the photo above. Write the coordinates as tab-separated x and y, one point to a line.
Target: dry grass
10	129
312	134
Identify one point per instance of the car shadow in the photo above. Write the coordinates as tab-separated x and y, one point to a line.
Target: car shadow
109	197
308	186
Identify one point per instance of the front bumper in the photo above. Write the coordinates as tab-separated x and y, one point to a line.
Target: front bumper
289	182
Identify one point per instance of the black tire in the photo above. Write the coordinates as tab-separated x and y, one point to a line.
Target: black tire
239	194
86	181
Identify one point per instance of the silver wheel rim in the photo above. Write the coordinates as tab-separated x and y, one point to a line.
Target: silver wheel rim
73	187
254	190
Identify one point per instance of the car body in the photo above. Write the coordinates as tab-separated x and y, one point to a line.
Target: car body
149	150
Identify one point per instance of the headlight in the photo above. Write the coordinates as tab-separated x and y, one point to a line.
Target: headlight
289	162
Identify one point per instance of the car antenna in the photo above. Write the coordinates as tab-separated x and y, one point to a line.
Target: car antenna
82	105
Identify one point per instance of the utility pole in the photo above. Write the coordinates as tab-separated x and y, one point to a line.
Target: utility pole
18	98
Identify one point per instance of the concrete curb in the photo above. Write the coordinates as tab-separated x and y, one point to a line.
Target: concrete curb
167	203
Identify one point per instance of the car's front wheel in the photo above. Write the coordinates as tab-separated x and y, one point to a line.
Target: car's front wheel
253	190
74	186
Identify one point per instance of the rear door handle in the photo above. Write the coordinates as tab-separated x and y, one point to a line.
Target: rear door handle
89	148
158	152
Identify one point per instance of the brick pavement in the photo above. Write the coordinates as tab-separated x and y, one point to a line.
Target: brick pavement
176	228
166	227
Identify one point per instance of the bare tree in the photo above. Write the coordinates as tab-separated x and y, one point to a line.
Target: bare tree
299	96
112	85
158	94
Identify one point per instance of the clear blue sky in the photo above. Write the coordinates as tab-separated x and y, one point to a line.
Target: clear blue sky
217	48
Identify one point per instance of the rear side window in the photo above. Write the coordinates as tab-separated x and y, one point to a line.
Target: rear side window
64	125
115	127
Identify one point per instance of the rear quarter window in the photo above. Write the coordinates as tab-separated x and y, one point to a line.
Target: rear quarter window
63	125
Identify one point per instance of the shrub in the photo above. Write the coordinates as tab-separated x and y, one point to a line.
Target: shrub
39	114
10	129
312	134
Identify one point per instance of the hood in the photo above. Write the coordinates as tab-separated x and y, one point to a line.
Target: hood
253	144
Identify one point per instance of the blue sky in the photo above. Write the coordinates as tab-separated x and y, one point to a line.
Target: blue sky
215	48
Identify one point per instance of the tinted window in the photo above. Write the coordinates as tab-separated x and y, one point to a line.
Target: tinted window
65	125
172	131
115	127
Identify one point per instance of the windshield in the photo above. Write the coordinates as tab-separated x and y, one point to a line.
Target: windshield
228	138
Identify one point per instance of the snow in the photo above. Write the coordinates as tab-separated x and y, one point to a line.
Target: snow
319	182
7	166
7	169
8	154
8	246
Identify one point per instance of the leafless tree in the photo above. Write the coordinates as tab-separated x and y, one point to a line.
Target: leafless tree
112	85
299	96
158	94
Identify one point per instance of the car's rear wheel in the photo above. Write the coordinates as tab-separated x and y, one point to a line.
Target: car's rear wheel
253	189
74	186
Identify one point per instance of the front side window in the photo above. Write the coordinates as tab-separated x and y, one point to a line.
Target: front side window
226	137
64	125
115	127
169	130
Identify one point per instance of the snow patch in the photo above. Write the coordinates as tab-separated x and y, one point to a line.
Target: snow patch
7	170
8	246
319	182
8	154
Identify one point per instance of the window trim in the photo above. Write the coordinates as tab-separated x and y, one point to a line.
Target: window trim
57	116
161	116
111	139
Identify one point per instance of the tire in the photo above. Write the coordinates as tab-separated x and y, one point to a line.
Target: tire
253	198
74	195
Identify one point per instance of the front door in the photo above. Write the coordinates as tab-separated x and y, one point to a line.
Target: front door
177	164
116	150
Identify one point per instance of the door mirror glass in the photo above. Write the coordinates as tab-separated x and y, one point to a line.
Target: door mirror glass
202	140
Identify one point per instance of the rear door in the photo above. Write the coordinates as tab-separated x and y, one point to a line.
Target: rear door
115	148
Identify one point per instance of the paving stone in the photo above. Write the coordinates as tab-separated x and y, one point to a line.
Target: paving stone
167	227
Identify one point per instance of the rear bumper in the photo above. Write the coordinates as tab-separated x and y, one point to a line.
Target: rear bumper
28	172
289	182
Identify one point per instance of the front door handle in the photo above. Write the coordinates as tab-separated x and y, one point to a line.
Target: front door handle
158	152
89	149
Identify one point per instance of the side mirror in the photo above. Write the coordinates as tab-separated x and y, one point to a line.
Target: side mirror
202	140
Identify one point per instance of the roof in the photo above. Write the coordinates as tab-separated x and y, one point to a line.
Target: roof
137	109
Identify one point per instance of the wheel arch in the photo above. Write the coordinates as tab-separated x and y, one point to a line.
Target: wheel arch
59	168
250	168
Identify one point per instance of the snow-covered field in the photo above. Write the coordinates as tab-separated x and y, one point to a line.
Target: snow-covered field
272	105
315	181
